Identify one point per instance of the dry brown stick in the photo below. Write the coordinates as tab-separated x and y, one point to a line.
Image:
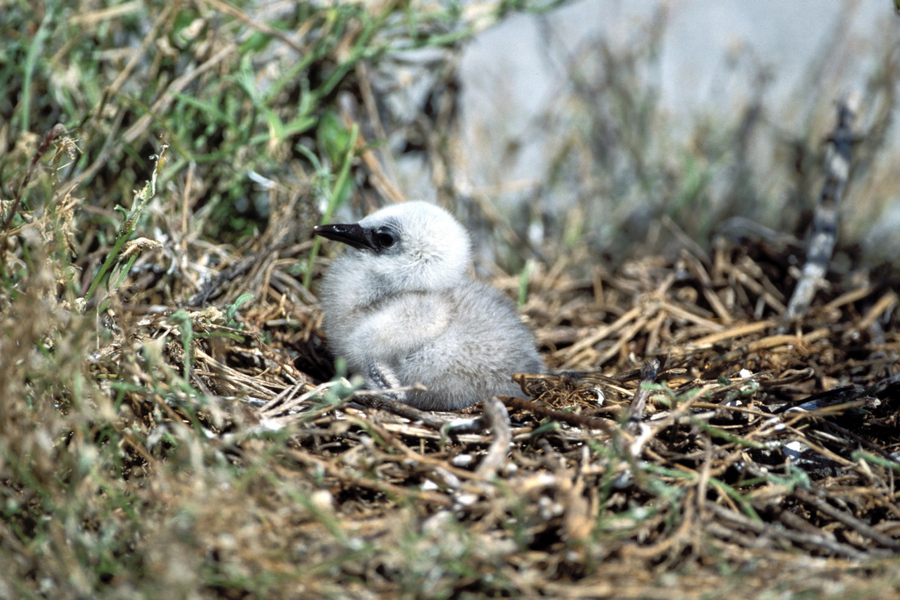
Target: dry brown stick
405	454
847	519
54	132
398	408
498	420
884	304
636	409
820	540
767	343
244	18
655	328
284	409
728	534
822	237
139	54
215	285
683	313
862	441
368	98
605	425
751	276
721	336
849	297
706	286
788	377
675	540
345	477
381	180
601	333
802	437
226	373
626	337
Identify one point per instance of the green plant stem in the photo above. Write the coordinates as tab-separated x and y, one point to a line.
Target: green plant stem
334	202
34	51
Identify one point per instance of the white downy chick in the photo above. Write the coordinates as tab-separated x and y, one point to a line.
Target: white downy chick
401	309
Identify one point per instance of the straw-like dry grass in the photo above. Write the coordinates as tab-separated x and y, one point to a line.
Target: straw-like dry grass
171	424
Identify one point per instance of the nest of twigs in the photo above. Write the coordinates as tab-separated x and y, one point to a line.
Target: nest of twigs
686	423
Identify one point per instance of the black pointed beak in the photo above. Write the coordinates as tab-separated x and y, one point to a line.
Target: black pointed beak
352	235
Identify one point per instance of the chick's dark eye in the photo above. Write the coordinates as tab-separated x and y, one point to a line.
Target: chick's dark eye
383	238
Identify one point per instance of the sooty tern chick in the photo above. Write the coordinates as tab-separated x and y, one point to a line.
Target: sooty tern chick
401	309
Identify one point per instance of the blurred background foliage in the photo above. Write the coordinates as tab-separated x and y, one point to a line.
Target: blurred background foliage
627	167
257	103
253	100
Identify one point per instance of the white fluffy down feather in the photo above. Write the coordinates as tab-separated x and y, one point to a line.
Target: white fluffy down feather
401	309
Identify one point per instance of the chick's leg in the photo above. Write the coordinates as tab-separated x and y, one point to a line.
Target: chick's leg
381	377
